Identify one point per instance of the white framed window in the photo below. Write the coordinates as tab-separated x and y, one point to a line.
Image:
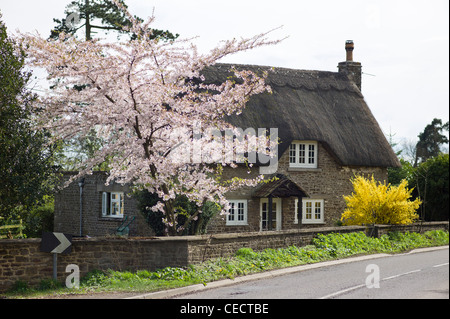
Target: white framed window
112	204
303	154
237	214
313	211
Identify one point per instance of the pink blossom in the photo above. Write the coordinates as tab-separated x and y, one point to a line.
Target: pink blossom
135	94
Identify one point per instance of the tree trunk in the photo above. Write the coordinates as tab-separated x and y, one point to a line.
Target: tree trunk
88	23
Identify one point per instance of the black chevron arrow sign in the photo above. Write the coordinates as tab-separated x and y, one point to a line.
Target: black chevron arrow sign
57	243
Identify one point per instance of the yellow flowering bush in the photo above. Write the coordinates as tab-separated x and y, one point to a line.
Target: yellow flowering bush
374	202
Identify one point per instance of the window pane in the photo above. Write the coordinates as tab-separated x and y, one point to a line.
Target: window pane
105	205
231	211
240	211
264	225
115	208
116	204
318	210
292	153
264	215
302	153
274	208
274	224
121	204
308	210
311	154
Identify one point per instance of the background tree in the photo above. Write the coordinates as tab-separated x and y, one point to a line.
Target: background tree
73	152
26	163
409	150
431	184
396	174
91	15
430	141
148	97
425	167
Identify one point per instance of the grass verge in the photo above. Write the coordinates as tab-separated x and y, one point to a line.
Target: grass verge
244	262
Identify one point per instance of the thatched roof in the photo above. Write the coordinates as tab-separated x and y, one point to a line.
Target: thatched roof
314	105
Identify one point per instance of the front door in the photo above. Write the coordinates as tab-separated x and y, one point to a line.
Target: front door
276	214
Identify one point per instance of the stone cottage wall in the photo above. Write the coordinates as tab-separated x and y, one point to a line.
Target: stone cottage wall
67	209
330	181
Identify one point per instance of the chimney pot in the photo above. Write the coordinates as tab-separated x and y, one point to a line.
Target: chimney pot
349	47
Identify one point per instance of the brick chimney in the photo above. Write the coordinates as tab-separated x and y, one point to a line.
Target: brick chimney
349	67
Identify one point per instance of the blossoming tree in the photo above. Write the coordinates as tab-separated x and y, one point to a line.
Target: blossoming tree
145	98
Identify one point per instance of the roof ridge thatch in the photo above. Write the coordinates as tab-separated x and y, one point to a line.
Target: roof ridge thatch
293	78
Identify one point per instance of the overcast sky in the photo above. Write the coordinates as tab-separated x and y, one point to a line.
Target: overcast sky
403	45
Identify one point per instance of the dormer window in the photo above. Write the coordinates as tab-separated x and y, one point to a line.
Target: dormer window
303	154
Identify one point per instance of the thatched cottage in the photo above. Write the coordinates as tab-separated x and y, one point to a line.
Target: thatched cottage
327	135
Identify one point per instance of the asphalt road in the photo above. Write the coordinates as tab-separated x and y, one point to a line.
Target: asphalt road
420	275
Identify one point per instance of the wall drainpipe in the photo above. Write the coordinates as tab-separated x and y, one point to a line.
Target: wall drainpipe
81	185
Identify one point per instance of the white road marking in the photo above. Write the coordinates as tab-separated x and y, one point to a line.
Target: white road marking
441	265
404	274
341	292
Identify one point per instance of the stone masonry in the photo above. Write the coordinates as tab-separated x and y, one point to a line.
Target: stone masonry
329	181
67	209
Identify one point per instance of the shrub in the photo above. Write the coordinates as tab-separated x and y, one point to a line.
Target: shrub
19	286
49	284
245	253
39	219
183	207
378	203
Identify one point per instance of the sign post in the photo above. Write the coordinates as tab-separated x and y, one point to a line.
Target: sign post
55	266
56	243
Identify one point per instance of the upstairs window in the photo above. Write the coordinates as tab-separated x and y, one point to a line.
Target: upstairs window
112	204
303	154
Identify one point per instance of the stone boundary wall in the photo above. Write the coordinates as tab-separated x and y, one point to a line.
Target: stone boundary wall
21	259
